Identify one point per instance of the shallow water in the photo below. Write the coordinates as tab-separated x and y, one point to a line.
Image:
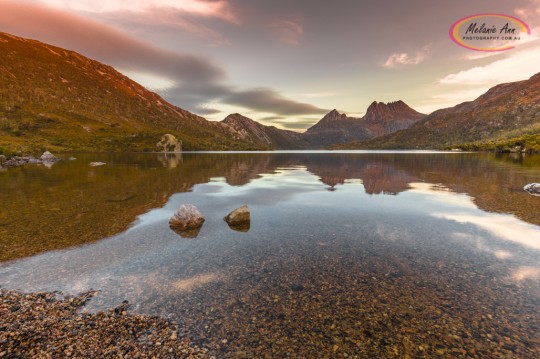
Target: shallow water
358	254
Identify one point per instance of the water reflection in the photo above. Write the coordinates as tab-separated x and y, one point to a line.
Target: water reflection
501	226
170	160
73	203
420	265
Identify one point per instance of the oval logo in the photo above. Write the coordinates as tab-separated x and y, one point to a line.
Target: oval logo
489	32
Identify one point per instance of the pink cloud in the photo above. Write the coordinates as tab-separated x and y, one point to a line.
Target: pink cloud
398	59
102	42
529	13
191	80
286	31
167	18
220	9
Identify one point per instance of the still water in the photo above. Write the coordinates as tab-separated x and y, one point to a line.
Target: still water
348	254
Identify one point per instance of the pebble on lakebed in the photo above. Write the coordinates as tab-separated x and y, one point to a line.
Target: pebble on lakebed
40	325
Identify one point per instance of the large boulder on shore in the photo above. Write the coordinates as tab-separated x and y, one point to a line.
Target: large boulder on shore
48	157
239	219
533	188
169	143
186	218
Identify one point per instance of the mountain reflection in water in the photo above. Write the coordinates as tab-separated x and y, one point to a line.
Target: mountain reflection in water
409	255
72	203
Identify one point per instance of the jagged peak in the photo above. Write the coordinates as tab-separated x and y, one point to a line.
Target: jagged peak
393	106
334	115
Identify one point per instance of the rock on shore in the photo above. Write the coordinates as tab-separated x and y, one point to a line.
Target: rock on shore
39	325
533	188
47	158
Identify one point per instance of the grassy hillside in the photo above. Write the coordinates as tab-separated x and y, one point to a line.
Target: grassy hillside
529	143
59	100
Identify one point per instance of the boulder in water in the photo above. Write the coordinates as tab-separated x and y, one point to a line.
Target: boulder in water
239	219
186	218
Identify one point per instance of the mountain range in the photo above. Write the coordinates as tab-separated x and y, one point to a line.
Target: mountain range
380	119
506	117
59	100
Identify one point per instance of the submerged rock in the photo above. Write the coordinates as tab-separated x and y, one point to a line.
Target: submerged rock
95	164
239	219
188	233
533	188
49	157
186	218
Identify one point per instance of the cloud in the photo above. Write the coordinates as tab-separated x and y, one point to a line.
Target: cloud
166	18
296	125
519	65
460	95
399	59
268	100
191	80
319	94
220	9
286	31
104	43
203	110
530	13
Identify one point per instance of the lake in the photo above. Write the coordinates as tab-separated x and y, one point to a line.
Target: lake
348	254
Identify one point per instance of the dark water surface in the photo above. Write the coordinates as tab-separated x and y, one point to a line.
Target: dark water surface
368	255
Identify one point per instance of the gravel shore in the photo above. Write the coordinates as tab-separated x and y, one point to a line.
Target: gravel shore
41	325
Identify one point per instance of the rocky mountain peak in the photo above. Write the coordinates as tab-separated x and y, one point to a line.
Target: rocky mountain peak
384	111
334	115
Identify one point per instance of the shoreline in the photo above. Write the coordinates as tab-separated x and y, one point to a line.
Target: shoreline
43	325
20	160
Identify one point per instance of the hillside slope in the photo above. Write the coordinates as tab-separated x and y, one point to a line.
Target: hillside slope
59	100
248	130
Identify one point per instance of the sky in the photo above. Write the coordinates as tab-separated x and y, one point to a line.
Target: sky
285	62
